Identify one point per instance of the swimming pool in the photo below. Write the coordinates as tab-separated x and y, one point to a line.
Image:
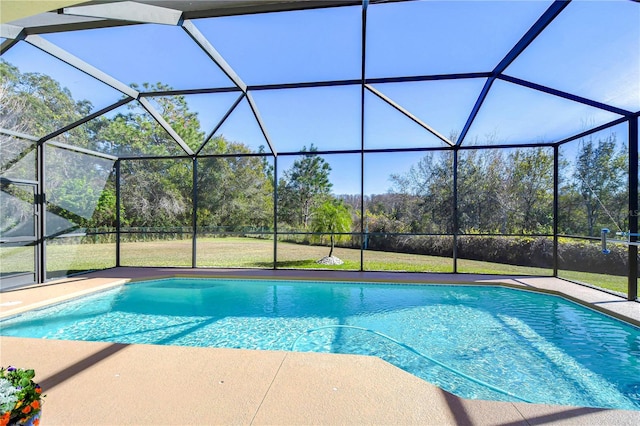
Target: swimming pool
482	342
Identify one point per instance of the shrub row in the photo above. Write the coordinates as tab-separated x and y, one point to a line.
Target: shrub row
585	256
573	255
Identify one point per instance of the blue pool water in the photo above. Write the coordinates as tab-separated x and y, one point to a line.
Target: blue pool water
475	341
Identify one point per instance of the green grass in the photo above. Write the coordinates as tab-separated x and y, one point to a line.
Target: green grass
610	282
16	259
64	259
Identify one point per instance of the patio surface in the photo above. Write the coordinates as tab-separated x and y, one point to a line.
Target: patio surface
93	383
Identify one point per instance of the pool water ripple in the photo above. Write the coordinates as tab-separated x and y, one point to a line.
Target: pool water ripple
521	345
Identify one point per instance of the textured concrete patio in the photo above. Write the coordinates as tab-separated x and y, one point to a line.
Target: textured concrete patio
91	383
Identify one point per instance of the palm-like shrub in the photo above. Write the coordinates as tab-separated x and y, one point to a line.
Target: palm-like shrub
332	217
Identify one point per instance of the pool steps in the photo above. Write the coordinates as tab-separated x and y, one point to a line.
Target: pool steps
413	350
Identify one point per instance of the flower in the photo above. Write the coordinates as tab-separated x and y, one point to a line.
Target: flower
20	397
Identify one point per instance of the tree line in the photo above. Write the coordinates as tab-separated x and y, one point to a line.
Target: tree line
498	191
510	191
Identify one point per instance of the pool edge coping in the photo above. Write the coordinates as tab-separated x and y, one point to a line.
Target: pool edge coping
60	299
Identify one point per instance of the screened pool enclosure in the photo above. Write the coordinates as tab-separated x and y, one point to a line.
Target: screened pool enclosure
421	136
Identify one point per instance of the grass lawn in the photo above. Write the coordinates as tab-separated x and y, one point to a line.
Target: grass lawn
610	282
258	253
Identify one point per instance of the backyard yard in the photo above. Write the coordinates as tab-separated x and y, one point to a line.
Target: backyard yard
236	252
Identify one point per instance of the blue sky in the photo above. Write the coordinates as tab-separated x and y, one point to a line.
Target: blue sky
591	50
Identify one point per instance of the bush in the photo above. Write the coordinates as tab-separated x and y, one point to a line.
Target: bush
585	256
432	245
573	255
521	251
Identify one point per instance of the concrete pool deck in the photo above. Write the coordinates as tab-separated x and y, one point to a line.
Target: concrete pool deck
94	383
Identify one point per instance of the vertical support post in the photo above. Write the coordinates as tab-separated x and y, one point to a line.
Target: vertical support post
556	194
36	231
194	214
275	212
632	291
41	231
362	209
118	209
455	209
365	4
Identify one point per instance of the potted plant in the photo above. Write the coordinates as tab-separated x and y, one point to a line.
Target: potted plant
20	397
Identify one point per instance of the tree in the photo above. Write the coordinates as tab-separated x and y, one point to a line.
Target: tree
426	194
496	193
175	111
599	178
36	105
481	182
530	186
155	193
332	216
235	192
136	132
305	185
12	105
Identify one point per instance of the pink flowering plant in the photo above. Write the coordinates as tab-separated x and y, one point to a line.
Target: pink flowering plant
20	396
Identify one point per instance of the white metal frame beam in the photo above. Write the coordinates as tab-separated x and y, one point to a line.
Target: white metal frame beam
128	11
408	114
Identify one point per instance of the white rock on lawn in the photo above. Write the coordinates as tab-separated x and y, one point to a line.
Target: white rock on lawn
330	260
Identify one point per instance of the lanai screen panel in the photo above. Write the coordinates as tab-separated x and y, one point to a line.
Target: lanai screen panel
593	195
80	219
